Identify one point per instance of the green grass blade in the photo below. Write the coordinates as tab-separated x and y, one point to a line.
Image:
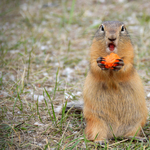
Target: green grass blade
72	11
113	134
52	107
48	110
15	105
72	142
56	83
21	107
1	79
29	62
38	113
74	145
133	138
63	112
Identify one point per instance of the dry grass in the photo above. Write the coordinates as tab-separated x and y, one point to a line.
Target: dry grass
44	53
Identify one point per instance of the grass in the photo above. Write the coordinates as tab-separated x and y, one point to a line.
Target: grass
44	54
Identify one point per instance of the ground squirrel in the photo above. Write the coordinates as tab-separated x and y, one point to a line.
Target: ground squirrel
114	100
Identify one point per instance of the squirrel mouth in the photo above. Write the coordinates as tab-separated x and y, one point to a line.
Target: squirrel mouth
111	47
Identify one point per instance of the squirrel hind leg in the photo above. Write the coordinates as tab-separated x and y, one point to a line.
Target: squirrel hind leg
135	134
96	131
135	131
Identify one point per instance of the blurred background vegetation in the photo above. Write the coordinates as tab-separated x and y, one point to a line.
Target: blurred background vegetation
44	58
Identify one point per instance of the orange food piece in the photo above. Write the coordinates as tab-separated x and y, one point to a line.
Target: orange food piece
110	60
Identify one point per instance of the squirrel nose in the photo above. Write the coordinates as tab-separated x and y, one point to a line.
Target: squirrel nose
112	39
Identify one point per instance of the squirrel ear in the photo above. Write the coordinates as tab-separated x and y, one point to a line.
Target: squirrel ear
101	27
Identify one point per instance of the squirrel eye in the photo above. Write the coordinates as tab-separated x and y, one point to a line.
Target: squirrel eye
102	28
122	28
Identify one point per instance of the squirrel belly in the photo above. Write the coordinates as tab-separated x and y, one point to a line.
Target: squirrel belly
120	107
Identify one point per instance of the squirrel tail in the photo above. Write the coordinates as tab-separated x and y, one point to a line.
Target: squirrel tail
74	106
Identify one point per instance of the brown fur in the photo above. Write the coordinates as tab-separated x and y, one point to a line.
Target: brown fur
114	101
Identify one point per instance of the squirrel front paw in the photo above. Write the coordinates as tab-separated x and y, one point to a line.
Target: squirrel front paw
100	63
118	65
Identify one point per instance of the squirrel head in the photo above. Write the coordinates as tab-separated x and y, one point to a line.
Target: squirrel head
113	37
